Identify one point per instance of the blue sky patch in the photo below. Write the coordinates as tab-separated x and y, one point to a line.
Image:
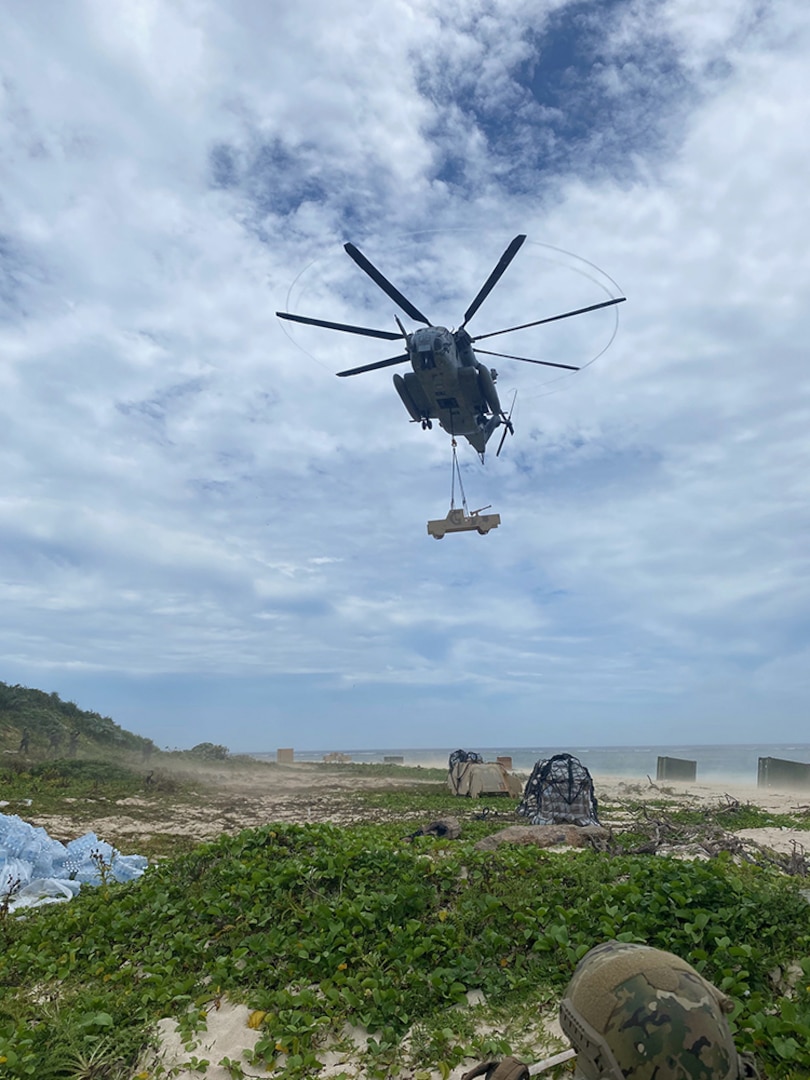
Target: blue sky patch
572	106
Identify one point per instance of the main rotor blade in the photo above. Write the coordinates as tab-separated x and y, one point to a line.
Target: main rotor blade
385	284
526	360
386	335
373	367
553	318
493	278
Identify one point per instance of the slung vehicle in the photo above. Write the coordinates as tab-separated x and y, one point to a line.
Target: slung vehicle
447	382
458	520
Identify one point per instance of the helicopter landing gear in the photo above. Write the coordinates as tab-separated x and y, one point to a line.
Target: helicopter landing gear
427	425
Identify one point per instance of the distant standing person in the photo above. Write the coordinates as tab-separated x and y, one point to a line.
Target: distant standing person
73	744
26	734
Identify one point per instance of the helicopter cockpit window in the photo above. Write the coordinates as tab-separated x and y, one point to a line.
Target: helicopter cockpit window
427	360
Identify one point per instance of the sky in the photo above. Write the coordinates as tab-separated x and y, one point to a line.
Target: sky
208	537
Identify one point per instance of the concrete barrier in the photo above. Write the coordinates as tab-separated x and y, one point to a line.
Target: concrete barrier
505	761
673	768
285	756
393	759
777	773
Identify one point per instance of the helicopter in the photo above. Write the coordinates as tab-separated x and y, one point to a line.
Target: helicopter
448	383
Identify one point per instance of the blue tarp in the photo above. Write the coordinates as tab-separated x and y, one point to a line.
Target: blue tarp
35	869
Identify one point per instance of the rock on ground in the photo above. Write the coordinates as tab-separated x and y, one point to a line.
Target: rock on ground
547	836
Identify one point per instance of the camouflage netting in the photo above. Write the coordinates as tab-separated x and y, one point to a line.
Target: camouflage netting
460	756
558	792
458	770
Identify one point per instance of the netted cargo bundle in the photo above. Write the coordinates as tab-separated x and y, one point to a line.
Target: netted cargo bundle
559	792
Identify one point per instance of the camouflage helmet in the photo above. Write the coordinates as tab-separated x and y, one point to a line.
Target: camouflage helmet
634	1011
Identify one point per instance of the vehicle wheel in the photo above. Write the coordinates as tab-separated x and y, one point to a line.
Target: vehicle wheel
439	536
483	532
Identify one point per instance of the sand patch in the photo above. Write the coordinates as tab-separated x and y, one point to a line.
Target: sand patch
226	804
228	1036
783	840
624	788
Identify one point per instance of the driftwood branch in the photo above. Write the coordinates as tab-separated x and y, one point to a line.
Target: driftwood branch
709	838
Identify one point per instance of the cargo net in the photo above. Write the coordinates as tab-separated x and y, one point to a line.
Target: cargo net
558	792
463	759
459	756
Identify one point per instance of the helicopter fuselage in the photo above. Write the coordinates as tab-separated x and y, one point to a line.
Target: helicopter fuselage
447	382
450	385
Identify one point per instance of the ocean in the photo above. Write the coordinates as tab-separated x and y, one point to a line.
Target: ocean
737	763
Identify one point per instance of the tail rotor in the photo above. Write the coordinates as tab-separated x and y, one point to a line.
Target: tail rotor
508	428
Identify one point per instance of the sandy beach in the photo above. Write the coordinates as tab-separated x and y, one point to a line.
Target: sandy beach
230	800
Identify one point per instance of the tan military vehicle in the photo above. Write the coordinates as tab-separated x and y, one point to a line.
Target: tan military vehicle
458	521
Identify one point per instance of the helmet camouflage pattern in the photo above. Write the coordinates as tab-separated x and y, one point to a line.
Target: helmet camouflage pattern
638	1012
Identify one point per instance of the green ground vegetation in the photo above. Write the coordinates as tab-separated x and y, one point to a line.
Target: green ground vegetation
315	927
37	724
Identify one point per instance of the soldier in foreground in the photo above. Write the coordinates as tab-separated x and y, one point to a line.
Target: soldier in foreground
632	1012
